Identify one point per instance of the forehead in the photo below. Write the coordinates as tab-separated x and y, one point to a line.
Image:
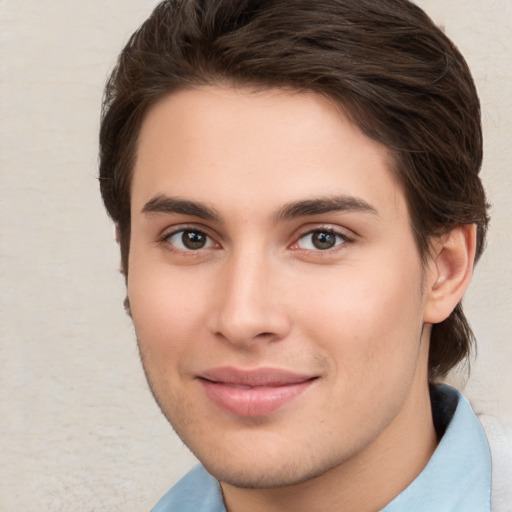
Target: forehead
258	147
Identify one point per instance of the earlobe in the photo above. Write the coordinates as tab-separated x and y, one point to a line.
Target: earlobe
449	272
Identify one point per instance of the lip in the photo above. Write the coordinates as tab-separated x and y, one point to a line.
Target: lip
253	393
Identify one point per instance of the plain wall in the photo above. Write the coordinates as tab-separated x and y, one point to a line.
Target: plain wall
79	428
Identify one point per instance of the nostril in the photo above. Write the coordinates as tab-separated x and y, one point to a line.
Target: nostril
268	336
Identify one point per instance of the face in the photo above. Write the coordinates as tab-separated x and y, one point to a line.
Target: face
274	282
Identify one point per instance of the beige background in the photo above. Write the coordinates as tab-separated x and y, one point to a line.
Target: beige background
79	430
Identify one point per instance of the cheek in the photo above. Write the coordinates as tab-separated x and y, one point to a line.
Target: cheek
167	311
369	323
167	320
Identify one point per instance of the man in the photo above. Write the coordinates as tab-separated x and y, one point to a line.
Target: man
296	193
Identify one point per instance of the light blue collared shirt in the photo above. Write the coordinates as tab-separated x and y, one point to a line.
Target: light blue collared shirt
456	479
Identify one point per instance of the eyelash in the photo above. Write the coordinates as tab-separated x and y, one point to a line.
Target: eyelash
341	239
166	239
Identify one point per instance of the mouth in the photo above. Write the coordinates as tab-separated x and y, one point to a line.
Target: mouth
253	393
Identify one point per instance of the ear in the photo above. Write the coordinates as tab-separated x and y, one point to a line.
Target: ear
449	272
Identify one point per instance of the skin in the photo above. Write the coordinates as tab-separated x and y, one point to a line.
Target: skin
259	293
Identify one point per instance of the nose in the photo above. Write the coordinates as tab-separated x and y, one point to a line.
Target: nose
249	307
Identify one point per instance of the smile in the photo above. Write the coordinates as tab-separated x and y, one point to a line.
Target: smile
253	393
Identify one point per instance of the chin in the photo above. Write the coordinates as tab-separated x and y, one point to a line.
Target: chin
266	473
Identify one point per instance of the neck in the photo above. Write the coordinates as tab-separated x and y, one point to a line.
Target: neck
368	481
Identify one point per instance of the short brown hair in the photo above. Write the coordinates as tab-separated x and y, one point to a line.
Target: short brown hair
400	79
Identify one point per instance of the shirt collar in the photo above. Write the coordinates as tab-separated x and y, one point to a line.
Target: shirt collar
458	476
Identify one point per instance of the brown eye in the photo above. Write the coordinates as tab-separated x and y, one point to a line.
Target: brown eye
190	240
193	239
321	240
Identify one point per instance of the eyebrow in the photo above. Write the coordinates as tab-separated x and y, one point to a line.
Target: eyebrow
324	205
174	205
169	205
